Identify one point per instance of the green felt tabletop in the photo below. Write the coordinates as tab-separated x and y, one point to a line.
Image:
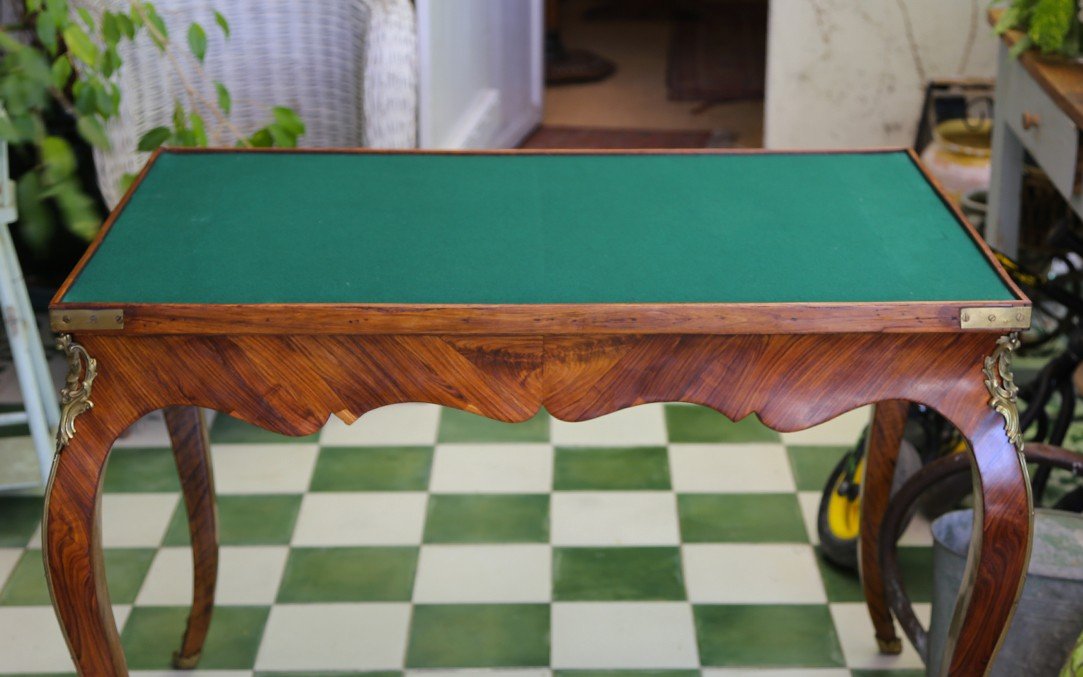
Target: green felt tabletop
231	227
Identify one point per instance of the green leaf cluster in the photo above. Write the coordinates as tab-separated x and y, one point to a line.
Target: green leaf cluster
1050	26
63	58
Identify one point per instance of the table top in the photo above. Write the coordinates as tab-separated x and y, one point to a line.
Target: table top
266	229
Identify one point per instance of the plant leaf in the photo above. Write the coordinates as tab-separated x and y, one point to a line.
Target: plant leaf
36	224
222	23
61	70
197	41
289	120
91	129
1050	23
110	28
58	157
45	28
126	181
153	139
225	102
199	129
84	14
80	45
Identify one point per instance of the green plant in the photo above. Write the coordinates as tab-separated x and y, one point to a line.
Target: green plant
1050	26
63	61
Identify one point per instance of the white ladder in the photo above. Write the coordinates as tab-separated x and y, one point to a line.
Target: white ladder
41	413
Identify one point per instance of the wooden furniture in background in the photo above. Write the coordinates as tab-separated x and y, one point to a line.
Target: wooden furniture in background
1039	110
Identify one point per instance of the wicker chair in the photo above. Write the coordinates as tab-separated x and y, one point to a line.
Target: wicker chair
348	67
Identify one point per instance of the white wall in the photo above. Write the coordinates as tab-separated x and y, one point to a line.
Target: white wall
840	73
480	73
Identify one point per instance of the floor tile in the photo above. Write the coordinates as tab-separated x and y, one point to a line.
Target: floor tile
612	468
745	518
30	641
152	634
22	517
859	640
623	635
228	430
767	635
842	430
617	574
809	501
136	520
730	468
812	465
479	635
375	574
124	568
463	518
641	425
322	637
492	468
396	424
479	673
614	518
246	576
9	557
916	565
694	424
263	468
782	672
150	431
372	469
918	533
744	573
483	573
376	518
626	673
244	520
462	426
141	469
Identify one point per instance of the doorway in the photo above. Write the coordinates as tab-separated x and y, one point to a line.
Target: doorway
686	73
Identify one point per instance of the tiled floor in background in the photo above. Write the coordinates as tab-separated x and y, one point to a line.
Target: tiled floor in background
662	539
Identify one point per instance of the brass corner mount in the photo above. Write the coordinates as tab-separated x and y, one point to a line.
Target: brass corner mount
75	395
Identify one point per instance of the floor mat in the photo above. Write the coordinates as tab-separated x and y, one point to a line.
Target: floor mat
720	53
551	136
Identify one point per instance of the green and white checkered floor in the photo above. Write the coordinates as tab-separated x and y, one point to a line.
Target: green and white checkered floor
663	539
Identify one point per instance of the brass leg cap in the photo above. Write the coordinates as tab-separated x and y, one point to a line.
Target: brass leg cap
892	646
186	662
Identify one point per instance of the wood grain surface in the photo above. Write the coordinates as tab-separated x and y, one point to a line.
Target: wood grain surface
291	383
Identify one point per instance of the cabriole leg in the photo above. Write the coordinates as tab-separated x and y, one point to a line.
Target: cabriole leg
191	450
881	452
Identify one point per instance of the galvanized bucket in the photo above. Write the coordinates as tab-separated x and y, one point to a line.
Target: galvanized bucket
1049	617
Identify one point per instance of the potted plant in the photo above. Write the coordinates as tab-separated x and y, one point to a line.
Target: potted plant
1052	27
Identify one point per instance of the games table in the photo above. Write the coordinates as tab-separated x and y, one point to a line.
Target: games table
283	287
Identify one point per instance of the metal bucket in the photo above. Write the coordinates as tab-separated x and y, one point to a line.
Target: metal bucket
1049	617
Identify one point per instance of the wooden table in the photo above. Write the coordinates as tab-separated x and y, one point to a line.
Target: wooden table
284	287
1039	110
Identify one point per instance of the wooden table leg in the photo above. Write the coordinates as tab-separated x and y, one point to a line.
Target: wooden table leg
881	452
72	525
999	549
191	450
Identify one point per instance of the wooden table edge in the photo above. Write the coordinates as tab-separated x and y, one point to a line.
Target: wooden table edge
537	319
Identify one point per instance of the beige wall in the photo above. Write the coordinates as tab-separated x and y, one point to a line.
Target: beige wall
840	73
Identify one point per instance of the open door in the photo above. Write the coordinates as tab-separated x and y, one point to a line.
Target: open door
480	72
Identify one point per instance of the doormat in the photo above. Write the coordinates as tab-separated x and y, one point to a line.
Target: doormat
553	136
720	53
